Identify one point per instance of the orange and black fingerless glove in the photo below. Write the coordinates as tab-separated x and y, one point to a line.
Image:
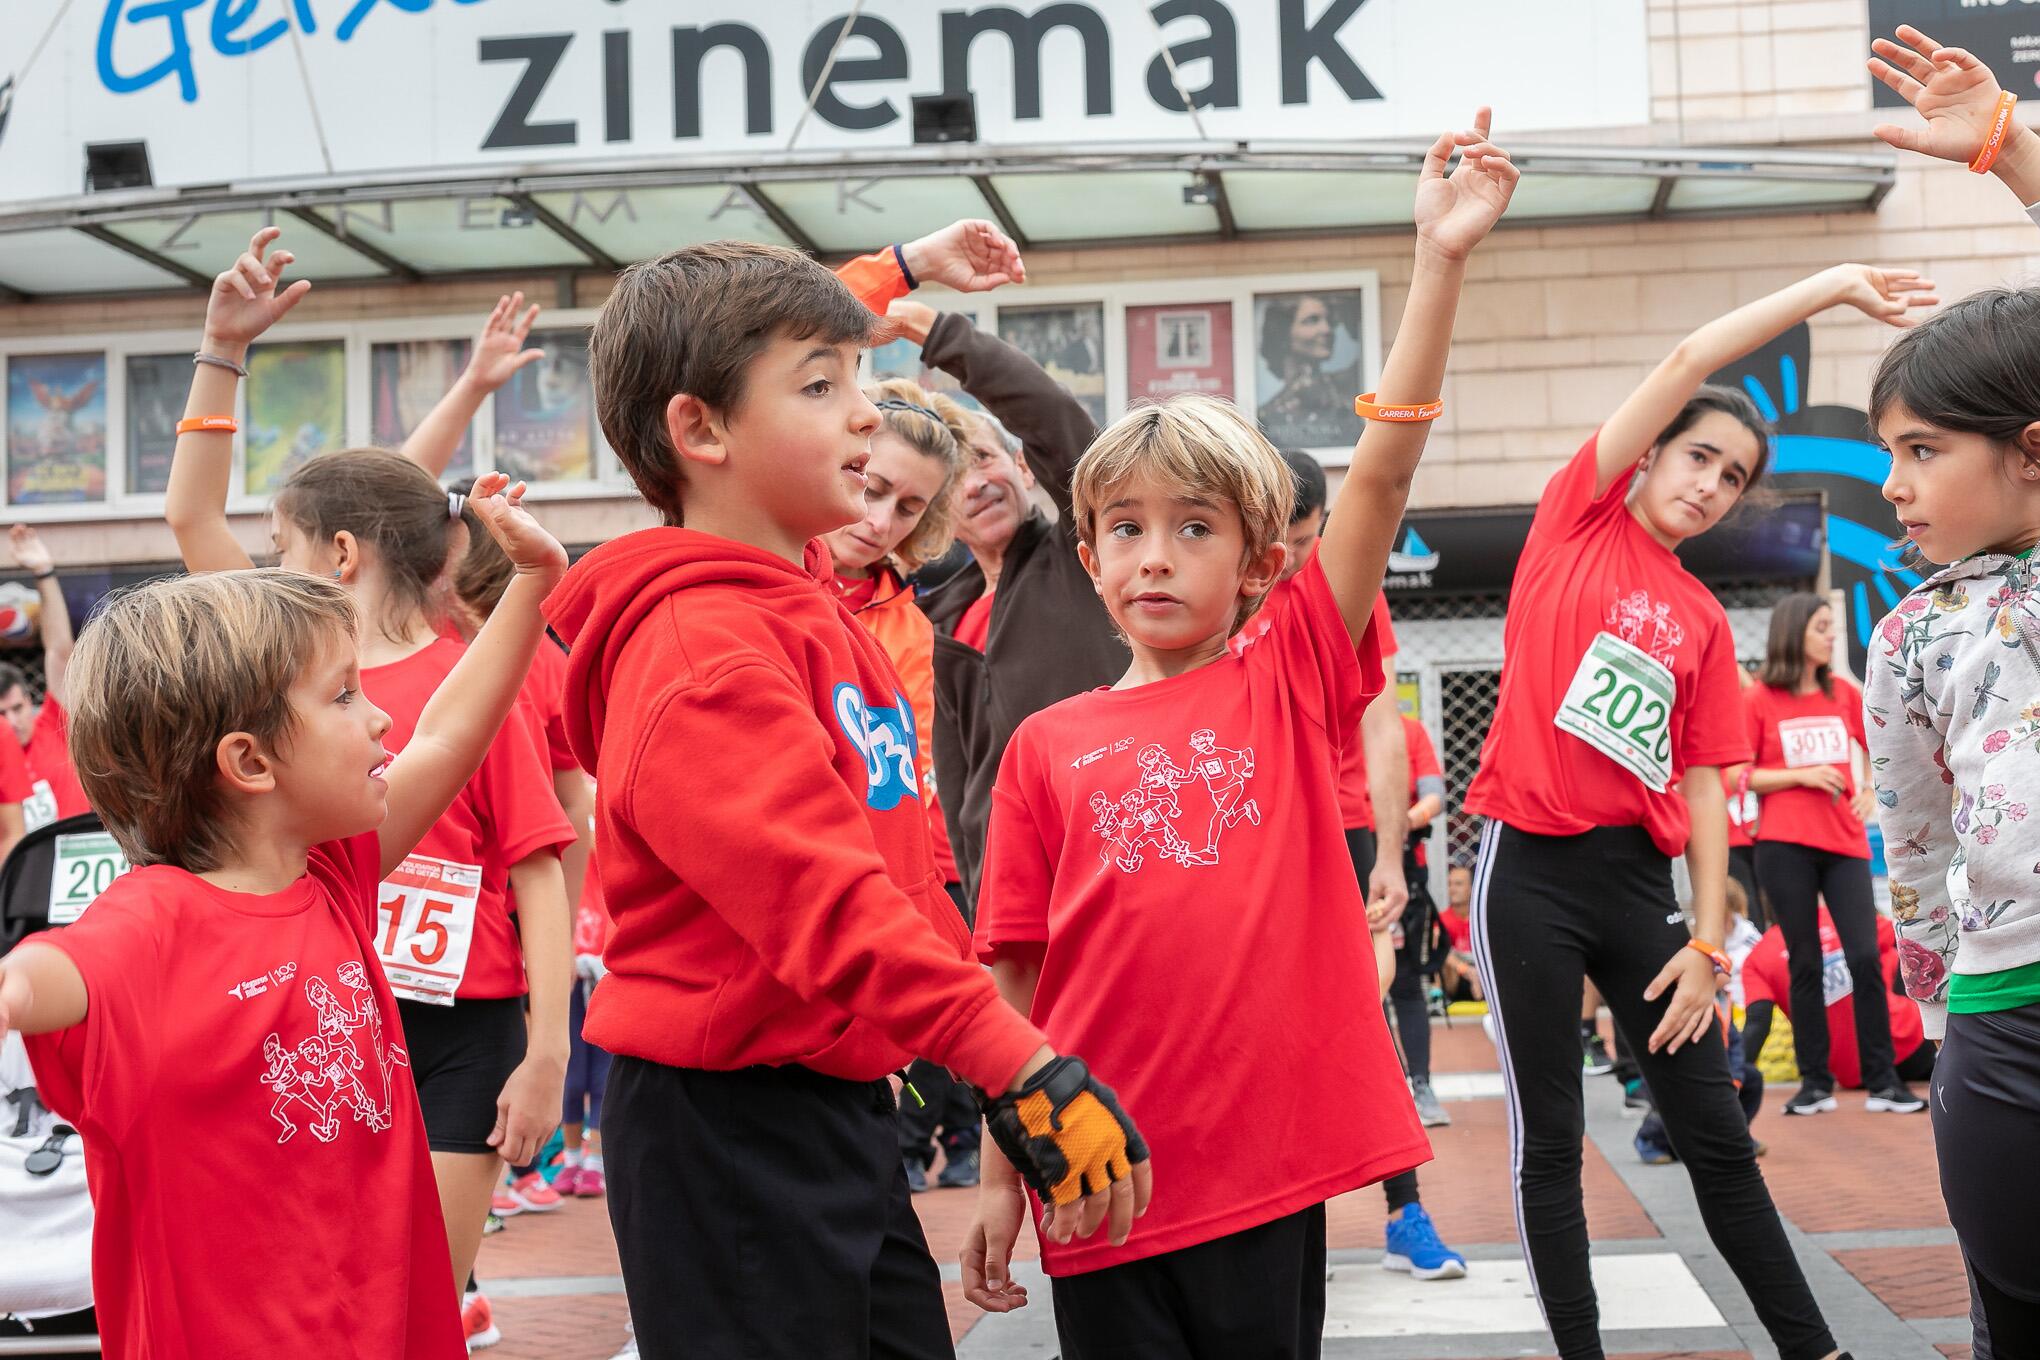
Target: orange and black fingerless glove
1064	1132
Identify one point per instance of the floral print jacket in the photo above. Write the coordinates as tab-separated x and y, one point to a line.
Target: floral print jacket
1953	713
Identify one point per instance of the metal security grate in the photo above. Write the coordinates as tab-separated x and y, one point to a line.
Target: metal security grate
1466	705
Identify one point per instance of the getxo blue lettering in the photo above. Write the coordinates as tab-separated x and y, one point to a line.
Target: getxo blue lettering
232	32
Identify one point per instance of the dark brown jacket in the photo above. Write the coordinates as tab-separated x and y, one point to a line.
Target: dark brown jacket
1050	635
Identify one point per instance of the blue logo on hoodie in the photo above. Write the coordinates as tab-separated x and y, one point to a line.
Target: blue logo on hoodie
885	737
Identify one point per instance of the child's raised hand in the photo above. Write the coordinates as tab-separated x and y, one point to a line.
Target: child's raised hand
1953	91
971	256
244	301
499	350
500	506
1887	295
29	552
1455	212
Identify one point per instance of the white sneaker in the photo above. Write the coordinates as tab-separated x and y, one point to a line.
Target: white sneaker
629	1351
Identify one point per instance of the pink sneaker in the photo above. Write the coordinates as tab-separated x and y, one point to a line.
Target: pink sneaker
590	1185
564	1184
534	1195
502	1205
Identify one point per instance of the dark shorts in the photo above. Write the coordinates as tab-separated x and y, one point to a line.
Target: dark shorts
460	1057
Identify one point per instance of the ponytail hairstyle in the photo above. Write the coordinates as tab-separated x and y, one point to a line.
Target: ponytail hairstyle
1785	650
1973	367
483	572
394	510
1714	398
933	426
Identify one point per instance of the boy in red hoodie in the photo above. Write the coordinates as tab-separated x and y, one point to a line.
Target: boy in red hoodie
782	939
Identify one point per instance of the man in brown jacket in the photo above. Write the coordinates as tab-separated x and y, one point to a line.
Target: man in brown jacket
1020	627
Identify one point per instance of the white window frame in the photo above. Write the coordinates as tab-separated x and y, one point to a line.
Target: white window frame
356	339
1237	289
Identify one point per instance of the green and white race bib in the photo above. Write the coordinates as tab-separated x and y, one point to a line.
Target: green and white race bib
86	866
1620	703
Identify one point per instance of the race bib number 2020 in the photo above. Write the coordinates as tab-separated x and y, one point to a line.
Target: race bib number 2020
1620	703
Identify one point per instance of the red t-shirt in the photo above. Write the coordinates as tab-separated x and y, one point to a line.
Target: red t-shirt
857	591
1356	807
454	935
1742	811
974	629
545	691
15	784
1795	732
1423	762
1458	927
252	1137
1591	577
1175	849
1766	976
54	791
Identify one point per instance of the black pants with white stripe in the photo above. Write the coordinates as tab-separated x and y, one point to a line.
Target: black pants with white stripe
1548	913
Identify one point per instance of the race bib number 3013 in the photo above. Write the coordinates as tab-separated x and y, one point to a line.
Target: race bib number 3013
426	925
1620	703
1814	741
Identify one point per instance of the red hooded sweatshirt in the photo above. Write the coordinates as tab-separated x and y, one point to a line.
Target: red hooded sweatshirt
764	851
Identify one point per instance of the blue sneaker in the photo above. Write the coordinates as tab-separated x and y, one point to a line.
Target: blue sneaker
1413	1246
917	1175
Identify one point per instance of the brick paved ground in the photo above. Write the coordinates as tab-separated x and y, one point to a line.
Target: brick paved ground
1835	1177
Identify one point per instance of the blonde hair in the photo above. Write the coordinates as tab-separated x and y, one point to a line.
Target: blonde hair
943	440
168	668
1197	444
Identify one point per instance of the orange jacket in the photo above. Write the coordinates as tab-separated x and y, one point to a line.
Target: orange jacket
899	626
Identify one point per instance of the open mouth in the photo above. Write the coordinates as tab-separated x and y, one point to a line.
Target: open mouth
382	767
854	469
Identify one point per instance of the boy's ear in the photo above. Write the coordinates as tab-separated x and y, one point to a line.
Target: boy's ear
1090	560
695	429
244	765
1264	569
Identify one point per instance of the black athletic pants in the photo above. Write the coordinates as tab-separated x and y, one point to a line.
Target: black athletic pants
945	1103
1258	1294
764	1213
1401	1188
1795	879
1742	867
1549	912
1986	1106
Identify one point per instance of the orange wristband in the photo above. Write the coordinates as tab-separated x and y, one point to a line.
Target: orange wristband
1367	407
2000	128
1723	966
208	425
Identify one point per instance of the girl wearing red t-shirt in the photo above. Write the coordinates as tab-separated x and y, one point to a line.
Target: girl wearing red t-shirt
458	960
1618	709
915	454
1806	725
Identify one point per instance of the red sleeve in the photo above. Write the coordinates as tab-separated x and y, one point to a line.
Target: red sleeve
875	279
98	1074
838	928
1760	981
1324	669
1754	718
1717	721
513	793
1384	629
14	783
1021	848
1423	755
1569	496
352	869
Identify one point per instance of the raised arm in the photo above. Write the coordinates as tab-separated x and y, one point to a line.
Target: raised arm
244	303
1958	97
1453	215
498	355
464	713
55	614
1885	294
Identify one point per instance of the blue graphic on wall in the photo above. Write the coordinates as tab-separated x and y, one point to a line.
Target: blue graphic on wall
1828	449
885	737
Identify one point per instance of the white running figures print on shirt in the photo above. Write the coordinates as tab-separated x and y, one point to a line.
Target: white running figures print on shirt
1147	813
322	1075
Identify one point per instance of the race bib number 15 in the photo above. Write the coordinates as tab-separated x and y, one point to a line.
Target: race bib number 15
1620	703
426	925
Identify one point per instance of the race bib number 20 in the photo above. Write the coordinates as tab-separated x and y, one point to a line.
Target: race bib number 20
85	867
426	926
1620	703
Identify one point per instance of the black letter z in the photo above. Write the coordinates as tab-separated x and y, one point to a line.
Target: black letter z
540	53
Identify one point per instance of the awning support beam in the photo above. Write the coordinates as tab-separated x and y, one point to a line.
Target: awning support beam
174	268
997	203
557	225
782	219
365	249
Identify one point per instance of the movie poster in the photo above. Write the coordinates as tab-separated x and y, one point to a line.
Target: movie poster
545	416
56	428
902	359
297	408
1068	342
1178	347
157	386
1308	349
406	379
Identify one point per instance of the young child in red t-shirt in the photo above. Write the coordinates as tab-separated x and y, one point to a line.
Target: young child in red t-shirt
217	1025
483	991
45	744
1166	880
